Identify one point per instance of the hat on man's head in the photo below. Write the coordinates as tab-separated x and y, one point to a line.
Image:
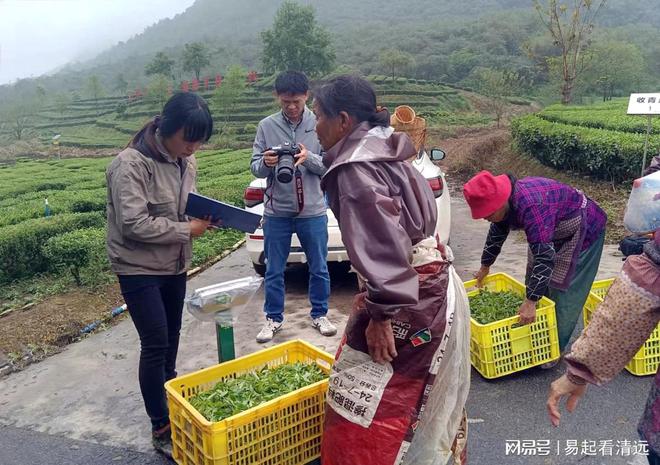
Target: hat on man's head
485	193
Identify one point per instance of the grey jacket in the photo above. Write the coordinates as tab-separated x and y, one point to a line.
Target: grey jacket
148	232
280	199
384	207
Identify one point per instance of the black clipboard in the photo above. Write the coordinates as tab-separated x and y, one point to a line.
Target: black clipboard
199	206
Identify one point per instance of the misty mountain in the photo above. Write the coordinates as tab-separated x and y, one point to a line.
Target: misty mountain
447	38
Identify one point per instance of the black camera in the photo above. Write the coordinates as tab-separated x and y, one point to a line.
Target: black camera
285	163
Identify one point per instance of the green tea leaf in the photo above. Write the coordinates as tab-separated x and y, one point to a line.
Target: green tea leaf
235	395
487	306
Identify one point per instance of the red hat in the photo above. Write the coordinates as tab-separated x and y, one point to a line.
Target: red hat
485	193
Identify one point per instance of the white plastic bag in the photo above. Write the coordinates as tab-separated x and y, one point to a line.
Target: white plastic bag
216	302
444	411
643	210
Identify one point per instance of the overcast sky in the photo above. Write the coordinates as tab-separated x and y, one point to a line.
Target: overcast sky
36	36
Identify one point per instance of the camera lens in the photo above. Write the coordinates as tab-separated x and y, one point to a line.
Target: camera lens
285	169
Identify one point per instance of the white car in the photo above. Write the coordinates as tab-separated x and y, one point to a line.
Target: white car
254	202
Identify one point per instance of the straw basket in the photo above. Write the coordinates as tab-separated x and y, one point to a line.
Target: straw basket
405	120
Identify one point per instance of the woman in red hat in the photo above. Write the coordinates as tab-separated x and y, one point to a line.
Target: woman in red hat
565	230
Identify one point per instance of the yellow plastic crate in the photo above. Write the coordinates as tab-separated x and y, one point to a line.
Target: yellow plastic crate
598	292
504	347
646	360
283	431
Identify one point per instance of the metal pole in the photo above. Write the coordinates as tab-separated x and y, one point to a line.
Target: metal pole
646	143
225	337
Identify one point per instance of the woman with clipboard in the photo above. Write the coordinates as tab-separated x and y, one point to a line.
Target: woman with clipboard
149	240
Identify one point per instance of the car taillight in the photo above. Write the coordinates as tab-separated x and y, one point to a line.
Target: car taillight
253	196
436	186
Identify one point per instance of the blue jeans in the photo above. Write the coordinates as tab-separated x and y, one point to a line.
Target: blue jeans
313	236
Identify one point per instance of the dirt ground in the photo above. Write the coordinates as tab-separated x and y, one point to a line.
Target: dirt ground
29	334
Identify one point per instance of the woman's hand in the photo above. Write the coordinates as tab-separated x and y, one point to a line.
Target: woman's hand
199	227
563	387
380	340
481	275
527	312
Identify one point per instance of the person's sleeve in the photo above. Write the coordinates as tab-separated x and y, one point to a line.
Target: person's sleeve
378	247
497	234
314	164
129	196
543	264
654	166
539	224
257	165
618	328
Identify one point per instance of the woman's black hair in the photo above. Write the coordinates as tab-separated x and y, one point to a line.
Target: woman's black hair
351	94
190	112
185	110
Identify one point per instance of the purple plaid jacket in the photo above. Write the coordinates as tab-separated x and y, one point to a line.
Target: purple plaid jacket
538	205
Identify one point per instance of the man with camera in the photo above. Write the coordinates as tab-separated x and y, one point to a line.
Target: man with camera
286	153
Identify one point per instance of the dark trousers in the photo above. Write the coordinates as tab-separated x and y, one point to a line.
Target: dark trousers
155	304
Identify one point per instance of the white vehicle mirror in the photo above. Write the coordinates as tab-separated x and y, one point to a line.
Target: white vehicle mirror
437	154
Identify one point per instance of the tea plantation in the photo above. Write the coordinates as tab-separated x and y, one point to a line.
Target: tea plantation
109	122
599	140
65	242
72	237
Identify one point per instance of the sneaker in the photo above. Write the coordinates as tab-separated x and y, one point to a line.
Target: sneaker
268	331
161	439
324	326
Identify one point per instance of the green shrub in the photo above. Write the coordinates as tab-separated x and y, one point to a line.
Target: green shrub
121	108
250	128
51	186
88	205
610	155
74	250
212	244
20	244
615	120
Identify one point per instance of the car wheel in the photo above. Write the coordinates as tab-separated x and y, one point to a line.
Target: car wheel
259	269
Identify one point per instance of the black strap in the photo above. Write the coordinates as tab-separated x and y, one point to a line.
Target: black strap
299	190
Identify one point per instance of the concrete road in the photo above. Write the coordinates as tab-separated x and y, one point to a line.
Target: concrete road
85	401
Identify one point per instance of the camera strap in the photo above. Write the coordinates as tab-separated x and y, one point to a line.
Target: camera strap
299	190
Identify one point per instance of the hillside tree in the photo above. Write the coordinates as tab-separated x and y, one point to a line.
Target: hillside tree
157	90
121	85
160	64
497	85
297	42
42	95
195	57
614	67
570	24
62	101
227	97
19	118
395	61
95	90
